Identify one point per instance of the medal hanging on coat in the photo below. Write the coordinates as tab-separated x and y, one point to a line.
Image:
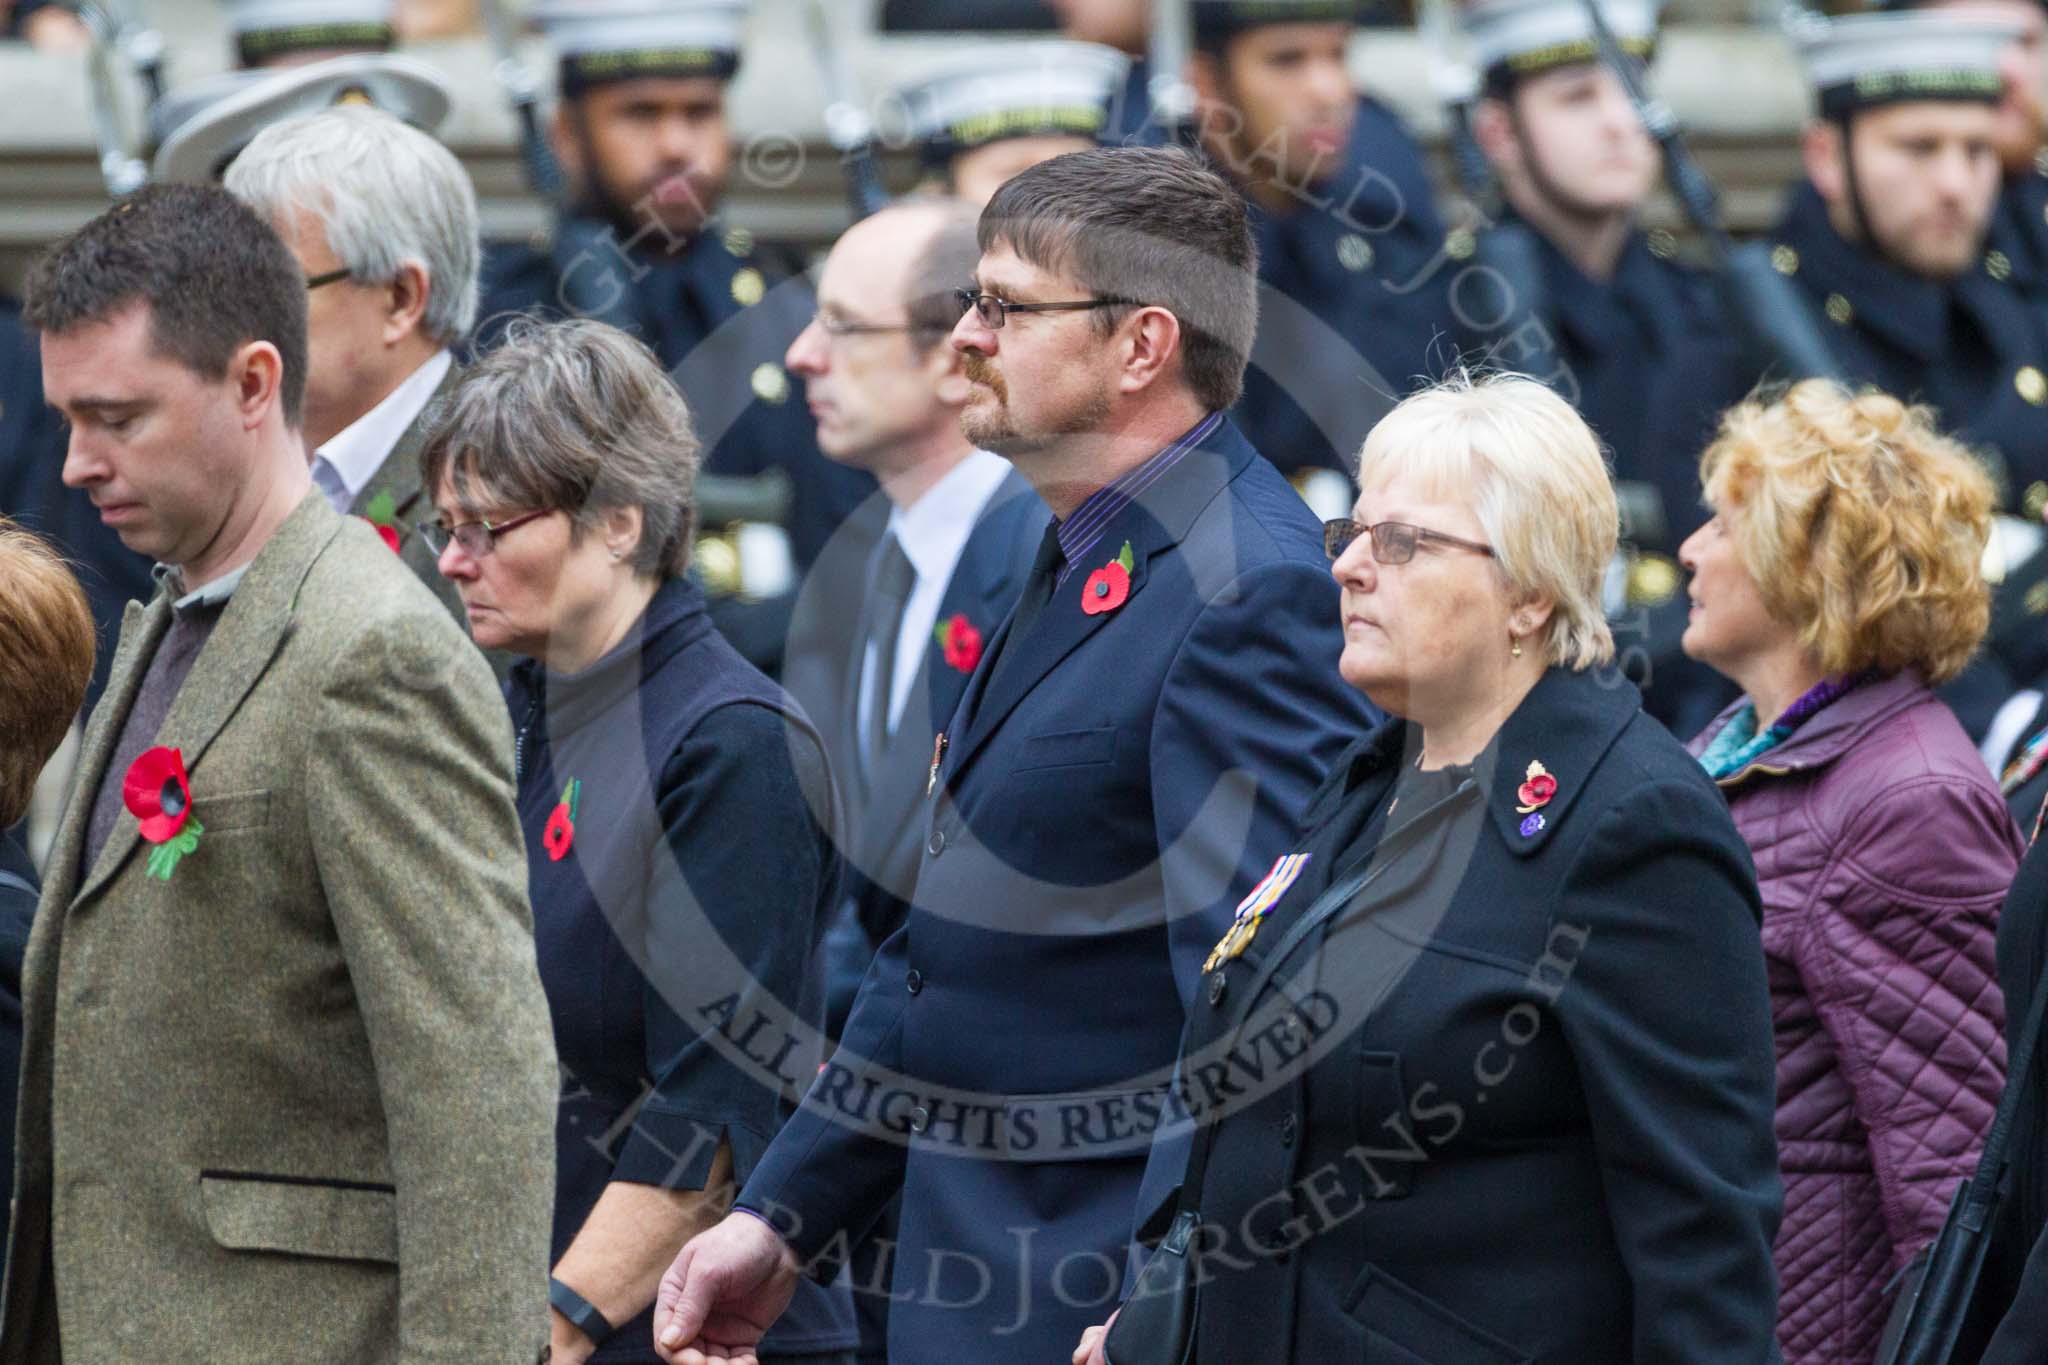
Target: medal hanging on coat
1253	909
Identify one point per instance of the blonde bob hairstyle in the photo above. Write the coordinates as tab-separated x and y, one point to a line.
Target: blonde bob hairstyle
1862	525
1532	472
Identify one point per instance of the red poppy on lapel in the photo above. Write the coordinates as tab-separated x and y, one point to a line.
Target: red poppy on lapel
960	641
1109	586
158	793
389	534
1536	792
560	834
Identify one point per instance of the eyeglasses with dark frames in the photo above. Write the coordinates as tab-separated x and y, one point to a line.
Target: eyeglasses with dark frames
993	311
1393	542
331	277
477	538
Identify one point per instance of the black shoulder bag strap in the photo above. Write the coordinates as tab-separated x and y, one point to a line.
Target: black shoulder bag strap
1156	1325
1940	1283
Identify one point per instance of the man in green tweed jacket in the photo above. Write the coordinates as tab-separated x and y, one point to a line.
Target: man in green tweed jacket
288	1084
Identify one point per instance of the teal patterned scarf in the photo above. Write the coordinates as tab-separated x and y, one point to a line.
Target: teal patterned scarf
1738	744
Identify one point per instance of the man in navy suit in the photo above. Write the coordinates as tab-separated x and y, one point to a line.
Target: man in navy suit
1160	704
899	606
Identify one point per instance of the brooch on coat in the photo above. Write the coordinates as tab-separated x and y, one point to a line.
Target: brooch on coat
560	834
1538	786
1109	586
1253	909
158	792
960	641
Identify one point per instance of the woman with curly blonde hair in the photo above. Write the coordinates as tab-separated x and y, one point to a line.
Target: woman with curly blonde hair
1836	584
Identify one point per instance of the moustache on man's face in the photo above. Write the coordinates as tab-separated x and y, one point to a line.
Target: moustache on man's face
978	371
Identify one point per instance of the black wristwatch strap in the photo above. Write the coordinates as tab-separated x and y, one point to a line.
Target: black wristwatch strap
581	1313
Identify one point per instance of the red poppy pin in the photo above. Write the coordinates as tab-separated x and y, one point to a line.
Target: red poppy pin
382	513
1536	791
1109	586
159	795
560	834
960	641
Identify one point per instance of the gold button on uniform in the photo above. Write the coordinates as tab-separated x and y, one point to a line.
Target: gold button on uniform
1662	244
748	287
1997	265
2032	385
1354	253
770	384
1784	260
1459	243
1839	311
739	241
2035	500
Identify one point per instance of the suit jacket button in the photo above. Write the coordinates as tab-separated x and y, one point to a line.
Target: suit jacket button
914	982
936	844
1288	1129
1217	985
920	1119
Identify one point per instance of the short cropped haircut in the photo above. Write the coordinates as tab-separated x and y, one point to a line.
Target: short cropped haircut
1862	524
383	193
46	650
1151	225
214	276
575	417
1531	470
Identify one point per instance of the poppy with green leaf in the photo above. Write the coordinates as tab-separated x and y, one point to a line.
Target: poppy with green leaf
158	793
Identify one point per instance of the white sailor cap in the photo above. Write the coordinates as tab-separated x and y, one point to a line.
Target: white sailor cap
1217	21
265	30
199	129
612	40
1861	60
1516	38
1006	90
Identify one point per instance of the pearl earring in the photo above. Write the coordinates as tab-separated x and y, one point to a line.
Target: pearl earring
1516	642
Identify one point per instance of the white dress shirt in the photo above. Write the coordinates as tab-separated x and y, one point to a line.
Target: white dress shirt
933	532
344	466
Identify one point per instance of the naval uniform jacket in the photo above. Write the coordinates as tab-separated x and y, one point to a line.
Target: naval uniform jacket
1106	784
1354	301
1512	1103
1976	348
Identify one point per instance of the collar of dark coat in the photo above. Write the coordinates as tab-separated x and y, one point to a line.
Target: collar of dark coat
675	618
1907	311
1826	736
399	475
1154	523
1567	723
1644	298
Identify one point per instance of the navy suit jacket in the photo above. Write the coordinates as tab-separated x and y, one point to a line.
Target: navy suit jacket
1102	798
885	833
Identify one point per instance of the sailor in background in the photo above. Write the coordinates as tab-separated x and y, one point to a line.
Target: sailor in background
641	135
1002	109
1888	240
1615	322
1352	253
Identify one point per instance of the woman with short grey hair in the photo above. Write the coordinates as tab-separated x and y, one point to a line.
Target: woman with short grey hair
1494	1034
677	807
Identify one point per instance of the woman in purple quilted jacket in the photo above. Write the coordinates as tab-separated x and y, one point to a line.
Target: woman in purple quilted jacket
1836	584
